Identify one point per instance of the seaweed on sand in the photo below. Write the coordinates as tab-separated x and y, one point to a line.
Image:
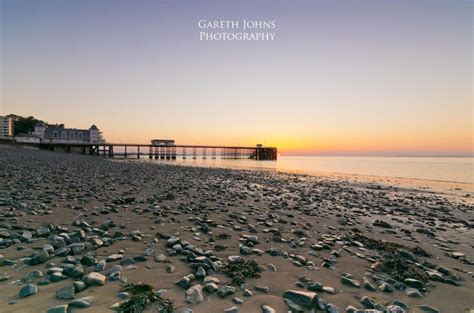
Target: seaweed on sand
240	270
385	246
420	252
142	297
393	263
400	268
374	244
223	236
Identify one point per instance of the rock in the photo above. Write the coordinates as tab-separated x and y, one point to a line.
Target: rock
123	295
79	285
32	276
415	283
457	255
63	308
427	308
27	291
172	241
235	259
183	282
4	277
100	266
295	307
63	252
114	257
26	235
368	285
77	248
233	309
57	276
385	287
194	294
210	287
43	232
115	306
65	293
272	267
127	261
113	269
301	298
212	279
267	309
200	273
329	290
76	271
237	300
97	242
88	260
367	302
314	286
95	278
400	304
148	252
332	308
114	276
435	276
39	257
351	309
413	293
263	289
392	308
160	257
350	282
82	302
226	290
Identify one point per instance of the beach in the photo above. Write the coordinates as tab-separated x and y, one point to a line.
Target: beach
75	229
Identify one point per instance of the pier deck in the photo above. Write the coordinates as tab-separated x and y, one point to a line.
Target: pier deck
165	152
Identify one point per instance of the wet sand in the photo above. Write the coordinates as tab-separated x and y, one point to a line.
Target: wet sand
316	217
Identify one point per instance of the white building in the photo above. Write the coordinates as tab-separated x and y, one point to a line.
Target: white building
162	142
59	134
27	138
6	127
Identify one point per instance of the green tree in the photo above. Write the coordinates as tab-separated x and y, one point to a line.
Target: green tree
24	124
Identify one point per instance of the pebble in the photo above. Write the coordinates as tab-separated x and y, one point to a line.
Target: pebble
350	282
226	290
301	298
63	308
427	308
95	278
65	293
82	302
233	309
267	309
27	291
194	294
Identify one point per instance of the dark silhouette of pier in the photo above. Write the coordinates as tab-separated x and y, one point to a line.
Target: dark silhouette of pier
164	152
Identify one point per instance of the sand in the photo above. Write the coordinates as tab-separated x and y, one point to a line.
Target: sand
39	188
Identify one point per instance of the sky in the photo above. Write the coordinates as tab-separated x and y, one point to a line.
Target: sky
341	77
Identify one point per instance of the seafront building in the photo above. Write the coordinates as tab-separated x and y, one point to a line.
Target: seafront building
27	138
6	127
163	142
44	133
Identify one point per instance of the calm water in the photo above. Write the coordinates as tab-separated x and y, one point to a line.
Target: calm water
453	169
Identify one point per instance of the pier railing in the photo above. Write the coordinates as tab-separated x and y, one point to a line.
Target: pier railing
165	152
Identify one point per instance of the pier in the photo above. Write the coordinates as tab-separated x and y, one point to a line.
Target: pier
165	152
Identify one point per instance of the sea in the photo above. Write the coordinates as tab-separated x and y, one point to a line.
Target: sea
448	169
